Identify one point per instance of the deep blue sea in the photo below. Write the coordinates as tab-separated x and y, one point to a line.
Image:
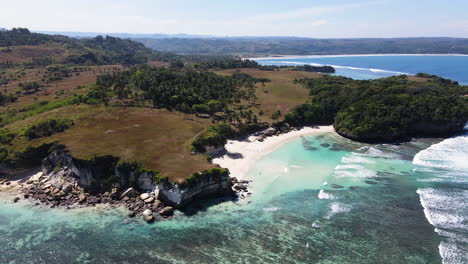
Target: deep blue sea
317	199
379	66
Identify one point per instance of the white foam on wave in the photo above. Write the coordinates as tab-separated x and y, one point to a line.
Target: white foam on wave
337	208
301	63
374	152
441	207
324	195
353	171
341	67
271	209
355	158
446	208
451	154
452	253
370	69
296	166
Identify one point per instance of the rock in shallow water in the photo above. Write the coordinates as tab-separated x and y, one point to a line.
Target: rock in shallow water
147	212
167	211
131	214
148	218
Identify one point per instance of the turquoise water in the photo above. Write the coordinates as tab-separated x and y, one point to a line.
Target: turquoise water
295	215
371	67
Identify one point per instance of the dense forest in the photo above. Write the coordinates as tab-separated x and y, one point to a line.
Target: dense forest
306	46
384	109
184	89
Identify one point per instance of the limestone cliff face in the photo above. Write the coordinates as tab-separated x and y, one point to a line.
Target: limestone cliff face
99	175
179	195
94	175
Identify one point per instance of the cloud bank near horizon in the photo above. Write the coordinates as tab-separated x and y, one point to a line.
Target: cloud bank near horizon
318	19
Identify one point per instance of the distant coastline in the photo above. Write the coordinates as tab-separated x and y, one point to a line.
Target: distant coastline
348	55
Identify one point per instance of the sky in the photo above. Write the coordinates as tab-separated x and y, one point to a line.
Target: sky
305	18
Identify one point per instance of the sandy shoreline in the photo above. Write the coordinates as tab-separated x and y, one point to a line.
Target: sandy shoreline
346	55
252	150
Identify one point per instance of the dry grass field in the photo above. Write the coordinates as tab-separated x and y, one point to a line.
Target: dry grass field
53	90
158	138
279	94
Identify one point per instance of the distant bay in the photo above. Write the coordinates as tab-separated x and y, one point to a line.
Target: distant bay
454	67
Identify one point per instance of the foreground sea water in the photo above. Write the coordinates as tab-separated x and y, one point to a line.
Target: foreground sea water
318	199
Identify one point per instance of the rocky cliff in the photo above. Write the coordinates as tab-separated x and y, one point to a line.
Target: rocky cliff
102	173
212	183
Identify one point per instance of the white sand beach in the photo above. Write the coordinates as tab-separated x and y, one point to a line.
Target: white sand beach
251	150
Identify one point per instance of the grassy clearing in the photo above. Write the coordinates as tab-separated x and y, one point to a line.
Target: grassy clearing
54	90
25	53
279	94
160	139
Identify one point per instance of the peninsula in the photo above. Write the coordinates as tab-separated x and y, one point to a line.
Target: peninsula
108	120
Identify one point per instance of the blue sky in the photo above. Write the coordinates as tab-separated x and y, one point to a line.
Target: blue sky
313	18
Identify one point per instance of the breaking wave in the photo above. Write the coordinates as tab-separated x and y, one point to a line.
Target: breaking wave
445	202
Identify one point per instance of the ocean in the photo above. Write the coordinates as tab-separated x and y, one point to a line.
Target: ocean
317	199
378	66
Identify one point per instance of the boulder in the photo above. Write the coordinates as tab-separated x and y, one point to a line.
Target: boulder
67	188
147	212
167	211
82	198
144	196
150	199
131	214
269	131
148	218
16	199
156	204
130	192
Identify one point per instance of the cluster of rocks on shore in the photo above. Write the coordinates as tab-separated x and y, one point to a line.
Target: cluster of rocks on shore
4	182
70	195
274	131
240	187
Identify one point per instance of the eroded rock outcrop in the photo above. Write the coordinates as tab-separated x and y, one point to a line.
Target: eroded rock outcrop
103	173
215	182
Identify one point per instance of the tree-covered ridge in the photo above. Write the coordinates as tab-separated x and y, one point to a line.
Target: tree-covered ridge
22	36
94	51
384	109
307	46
